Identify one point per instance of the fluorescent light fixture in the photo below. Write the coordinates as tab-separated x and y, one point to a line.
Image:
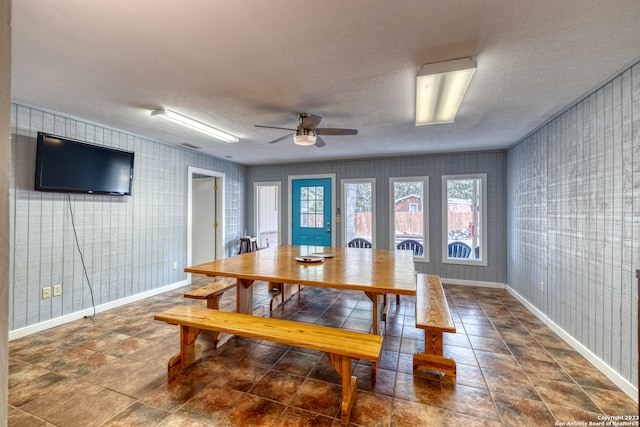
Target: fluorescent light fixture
302	139
440	88
194	124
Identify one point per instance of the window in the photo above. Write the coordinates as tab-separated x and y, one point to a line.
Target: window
312	207
464	222
358	211
409	213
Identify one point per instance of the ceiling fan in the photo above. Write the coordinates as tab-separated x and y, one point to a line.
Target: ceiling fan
308	132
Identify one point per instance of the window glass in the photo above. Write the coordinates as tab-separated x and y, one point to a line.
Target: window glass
409	212
358	215
464	219
311	207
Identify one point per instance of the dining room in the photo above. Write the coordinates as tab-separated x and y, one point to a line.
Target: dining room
525	209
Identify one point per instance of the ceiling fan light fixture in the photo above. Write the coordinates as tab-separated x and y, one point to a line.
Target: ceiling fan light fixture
194	124
440	88
304	139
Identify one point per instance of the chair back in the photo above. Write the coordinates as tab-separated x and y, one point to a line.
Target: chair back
411	245
359	242
458	250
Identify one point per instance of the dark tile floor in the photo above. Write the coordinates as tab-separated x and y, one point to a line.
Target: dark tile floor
111	371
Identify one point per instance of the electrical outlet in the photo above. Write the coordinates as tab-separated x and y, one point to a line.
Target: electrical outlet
46	292
57	290
541	286
175	265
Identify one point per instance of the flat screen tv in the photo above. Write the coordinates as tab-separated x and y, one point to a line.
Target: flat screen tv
70	166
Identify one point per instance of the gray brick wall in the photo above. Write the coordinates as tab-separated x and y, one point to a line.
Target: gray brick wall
574	220
5	158
434	166
128	243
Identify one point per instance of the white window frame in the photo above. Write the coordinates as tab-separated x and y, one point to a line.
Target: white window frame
425	213
483	220
343	183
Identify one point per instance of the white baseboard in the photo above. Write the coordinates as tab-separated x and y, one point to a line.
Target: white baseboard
601	365
48	324
461	282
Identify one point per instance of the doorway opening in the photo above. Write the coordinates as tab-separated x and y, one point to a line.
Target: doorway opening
205	219
267	216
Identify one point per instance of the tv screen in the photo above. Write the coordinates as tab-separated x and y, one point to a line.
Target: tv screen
70	166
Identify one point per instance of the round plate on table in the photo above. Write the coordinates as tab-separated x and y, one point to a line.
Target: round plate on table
308	259
322	255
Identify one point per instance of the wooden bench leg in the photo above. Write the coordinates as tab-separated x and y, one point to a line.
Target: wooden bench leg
342	364
287	290
190	351
213	302
275	286
433	358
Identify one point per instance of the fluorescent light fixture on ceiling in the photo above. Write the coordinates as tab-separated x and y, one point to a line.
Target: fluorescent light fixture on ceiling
194	124
440	88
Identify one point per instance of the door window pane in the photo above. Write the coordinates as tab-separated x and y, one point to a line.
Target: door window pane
311	207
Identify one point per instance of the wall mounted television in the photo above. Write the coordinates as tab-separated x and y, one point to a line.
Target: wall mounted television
69	166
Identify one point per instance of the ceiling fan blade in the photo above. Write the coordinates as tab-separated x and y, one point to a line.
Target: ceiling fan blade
319	142
311	121
282	138
336	131
272	127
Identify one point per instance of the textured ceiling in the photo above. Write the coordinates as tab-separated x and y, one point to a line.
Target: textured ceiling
237	63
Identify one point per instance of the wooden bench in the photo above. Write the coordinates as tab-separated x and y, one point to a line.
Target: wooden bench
341	346
433	315
212	292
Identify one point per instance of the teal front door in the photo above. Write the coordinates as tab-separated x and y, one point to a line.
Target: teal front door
311	212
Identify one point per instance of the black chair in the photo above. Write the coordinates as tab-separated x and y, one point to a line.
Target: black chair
458	250
411	245
359	242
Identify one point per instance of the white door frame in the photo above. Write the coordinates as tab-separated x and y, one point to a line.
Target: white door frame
332	176
220	234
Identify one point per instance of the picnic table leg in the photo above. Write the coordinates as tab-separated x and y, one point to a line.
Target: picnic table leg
287	290
244	296
377	312
213	303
